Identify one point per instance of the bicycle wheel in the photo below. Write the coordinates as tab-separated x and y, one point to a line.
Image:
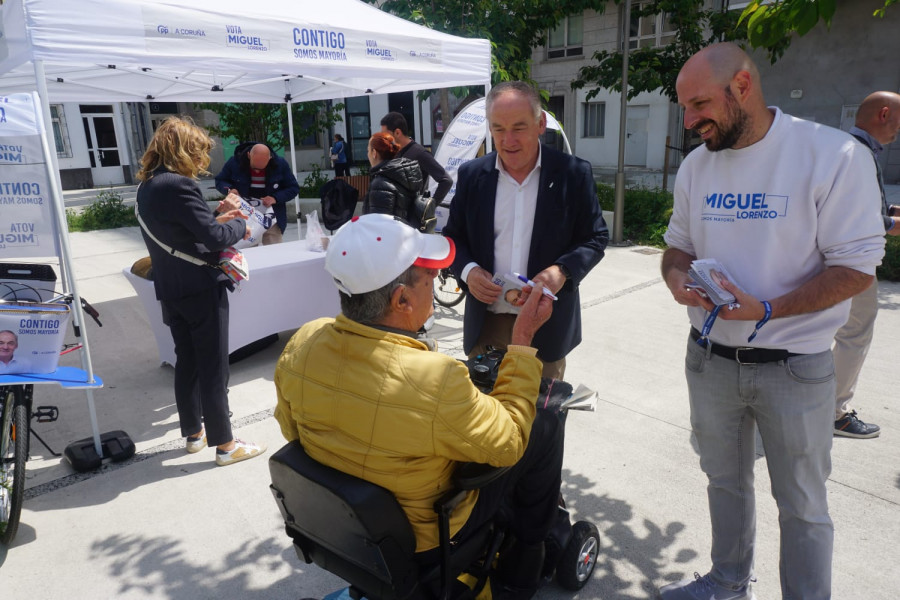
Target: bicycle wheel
13	454
446	289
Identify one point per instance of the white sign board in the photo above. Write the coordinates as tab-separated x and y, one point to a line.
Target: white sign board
26	223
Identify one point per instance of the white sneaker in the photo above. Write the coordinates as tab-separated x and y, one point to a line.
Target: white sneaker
242	451
703	588
192	444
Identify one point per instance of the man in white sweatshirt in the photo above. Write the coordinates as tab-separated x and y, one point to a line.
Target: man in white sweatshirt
790	209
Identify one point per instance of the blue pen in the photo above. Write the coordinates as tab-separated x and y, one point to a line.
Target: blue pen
527	281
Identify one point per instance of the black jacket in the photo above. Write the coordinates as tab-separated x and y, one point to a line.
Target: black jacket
280	181
173	209
430	168
393	186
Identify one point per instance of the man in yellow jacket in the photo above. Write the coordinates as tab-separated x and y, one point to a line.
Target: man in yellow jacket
365	394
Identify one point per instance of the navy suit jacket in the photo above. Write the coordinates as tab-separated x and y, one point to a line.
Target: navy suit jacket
568	230
280	181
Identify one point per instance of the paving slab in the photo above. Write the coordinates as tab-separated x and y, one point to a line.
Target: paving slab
167	525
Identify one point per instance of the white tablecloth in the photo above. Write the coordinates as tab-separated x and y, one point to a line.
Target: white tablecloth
288	286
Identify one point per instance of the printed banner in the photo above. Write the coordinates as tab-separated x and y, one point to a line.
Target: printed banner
201	33
459	145
31	336
26	223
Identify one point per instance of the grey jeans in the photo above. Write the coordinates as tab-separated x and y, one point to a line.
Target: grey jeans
792	403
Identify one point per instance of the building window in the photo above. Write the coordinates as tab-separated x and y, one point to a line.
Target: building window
652	31
594	119
311	140
60	132
566	39
359	122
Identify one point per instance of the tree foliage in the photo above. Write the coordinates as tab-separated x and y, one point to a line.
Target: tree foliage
772	25
651	69
513	27
268	122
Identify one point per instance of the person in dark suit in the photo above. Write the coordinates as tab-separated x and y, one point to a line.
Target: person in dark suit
193	297
264	179
529	209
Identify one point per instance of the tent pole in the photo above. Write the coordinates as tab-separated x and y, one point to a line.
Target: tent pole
43	96
488	142
64	252
290	115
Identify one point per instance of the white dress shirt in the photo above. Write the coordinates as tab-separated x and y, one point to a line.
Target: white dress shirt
513	225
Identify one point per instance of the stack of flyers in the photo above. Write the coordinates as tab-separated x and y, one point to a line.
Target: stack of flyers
707	274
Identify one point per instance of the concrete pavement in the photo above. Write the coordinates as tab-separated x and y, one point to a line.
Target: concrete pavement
168	525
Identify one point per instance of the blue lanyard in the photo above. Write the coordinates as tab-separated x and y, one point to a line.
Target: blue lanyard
768	308
711	319
707	326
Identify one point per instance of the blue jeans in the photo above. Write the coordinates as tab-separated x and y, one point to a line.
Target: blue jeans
792	403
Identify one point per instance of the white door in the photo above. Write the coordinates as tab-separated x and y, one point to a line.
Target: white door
636	120
103	148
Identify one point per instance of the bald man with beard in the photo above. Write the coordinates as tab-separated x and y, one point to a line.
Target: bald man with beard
877	125
790	208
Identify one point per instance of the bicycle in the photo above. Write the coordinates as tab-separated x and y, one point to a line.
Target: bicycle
447	291
16	403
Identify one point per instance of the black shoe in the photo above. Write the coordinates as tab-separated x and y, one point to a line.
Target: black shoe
518	572
852	426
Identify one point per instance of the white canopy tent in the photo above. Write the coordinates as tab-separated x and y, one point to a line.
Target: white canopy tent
278	51
224	51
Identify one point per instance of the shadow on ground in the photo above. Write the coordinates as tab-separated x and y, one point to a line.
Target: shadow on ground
162	567
624	549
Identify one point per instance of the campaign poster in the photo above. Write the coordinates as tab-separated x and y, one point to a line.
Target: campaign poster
26	223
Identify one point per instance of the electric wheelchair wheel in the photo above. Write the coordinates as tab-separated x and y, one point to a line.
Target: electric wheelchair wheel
577	562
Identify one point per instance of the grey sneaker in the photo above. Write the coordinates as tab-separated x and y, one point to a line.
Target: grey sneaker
703	588
852	426
242	451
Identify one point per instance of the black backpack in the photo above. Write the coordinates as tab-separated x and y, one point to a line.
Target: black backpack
339	200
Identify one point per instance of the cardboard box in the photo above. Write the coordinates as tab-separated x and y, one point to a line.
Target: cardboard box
31	336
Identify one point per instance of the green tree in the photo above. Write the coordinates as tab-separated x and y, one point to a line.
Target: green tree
771	26
268	122
513	28
651	69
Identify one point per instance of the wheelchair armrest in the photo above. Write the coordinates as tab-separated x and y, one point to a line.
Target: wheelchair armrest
472	476
449	501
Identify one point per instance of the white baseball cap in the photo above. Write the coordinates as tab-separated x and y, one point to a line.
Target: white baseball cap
370	251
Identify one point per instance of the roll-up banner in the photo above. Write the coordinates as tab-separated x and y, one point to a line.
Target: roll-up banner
26	222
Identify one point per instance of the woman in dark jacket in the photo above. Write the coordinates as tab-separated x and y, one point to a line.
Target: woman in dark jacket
394	183
339	151
193	297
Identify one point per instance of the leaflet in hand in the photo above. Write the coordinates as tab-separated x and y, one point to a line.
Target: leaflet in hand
259	219
707	274
512	290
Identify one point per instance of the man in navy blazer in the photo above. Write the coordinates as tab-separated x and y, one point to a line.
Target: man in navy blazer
530	209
